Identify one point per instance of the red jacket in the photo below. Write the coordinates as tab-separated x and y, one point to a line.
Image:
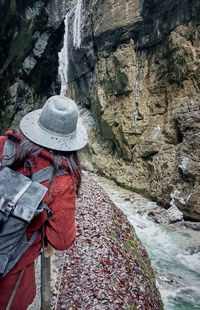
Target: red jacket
61	233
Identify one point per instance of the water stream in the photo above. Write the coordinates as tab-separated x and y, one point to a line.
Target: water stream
174	251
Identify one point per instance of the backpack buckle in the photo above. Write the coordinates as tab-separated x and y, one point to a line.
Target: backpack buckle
8	209
11	205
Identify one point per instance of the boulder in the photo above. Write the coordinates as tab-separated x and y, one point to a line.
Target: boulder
170	216
192	225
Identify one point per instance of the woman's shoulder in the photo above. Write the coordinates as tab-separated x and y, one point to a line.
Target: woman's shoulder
65	184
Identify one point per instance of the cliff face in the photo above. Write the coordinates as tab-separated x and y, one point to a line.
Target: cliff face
31	36
137	71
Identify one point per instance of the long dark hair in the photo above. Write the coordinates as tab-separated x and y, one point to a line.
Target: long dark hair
28	150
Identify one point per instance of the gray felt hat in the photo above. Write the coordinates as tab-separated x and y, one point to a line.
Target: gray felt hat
56	126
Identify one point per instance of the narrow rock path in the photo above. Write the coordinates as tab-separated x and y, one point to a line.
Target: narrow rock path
107	267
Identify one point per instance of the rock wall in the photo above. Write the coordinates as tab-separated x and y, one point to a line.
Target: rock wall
137	72
31	36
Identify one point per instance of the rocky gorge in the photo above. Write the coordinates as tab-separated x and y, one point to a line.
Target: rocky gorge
31	37
135	69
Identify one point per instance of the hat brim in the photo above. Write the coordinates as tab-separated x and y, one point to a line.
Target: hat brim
30	128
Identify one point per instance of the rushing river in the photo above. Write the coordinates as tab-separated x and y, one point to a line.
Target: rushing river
174	251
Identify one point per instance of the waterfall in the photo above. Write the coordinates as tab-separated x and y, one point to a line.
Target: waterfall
75	15
77	25
63	59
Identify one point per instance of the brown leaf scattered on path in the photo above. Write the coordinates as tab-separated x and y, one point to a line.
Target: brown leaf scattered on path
107	267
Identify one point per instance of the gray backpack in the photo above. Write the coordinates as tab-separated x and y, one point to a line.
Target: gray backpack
21	199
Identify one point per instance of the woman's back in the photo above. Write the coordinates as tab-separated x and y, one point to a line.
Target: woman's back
30	158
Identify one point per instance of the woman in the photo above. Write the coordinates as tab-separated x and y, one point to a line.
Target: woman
49	137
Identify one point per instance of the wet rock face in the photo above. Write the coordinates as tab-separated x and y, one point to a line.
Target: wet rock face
30	38
137	71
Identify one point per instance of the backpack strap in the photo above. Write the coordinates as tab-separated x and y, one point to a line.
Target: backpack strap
40	176
8	152
15	289
45	173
